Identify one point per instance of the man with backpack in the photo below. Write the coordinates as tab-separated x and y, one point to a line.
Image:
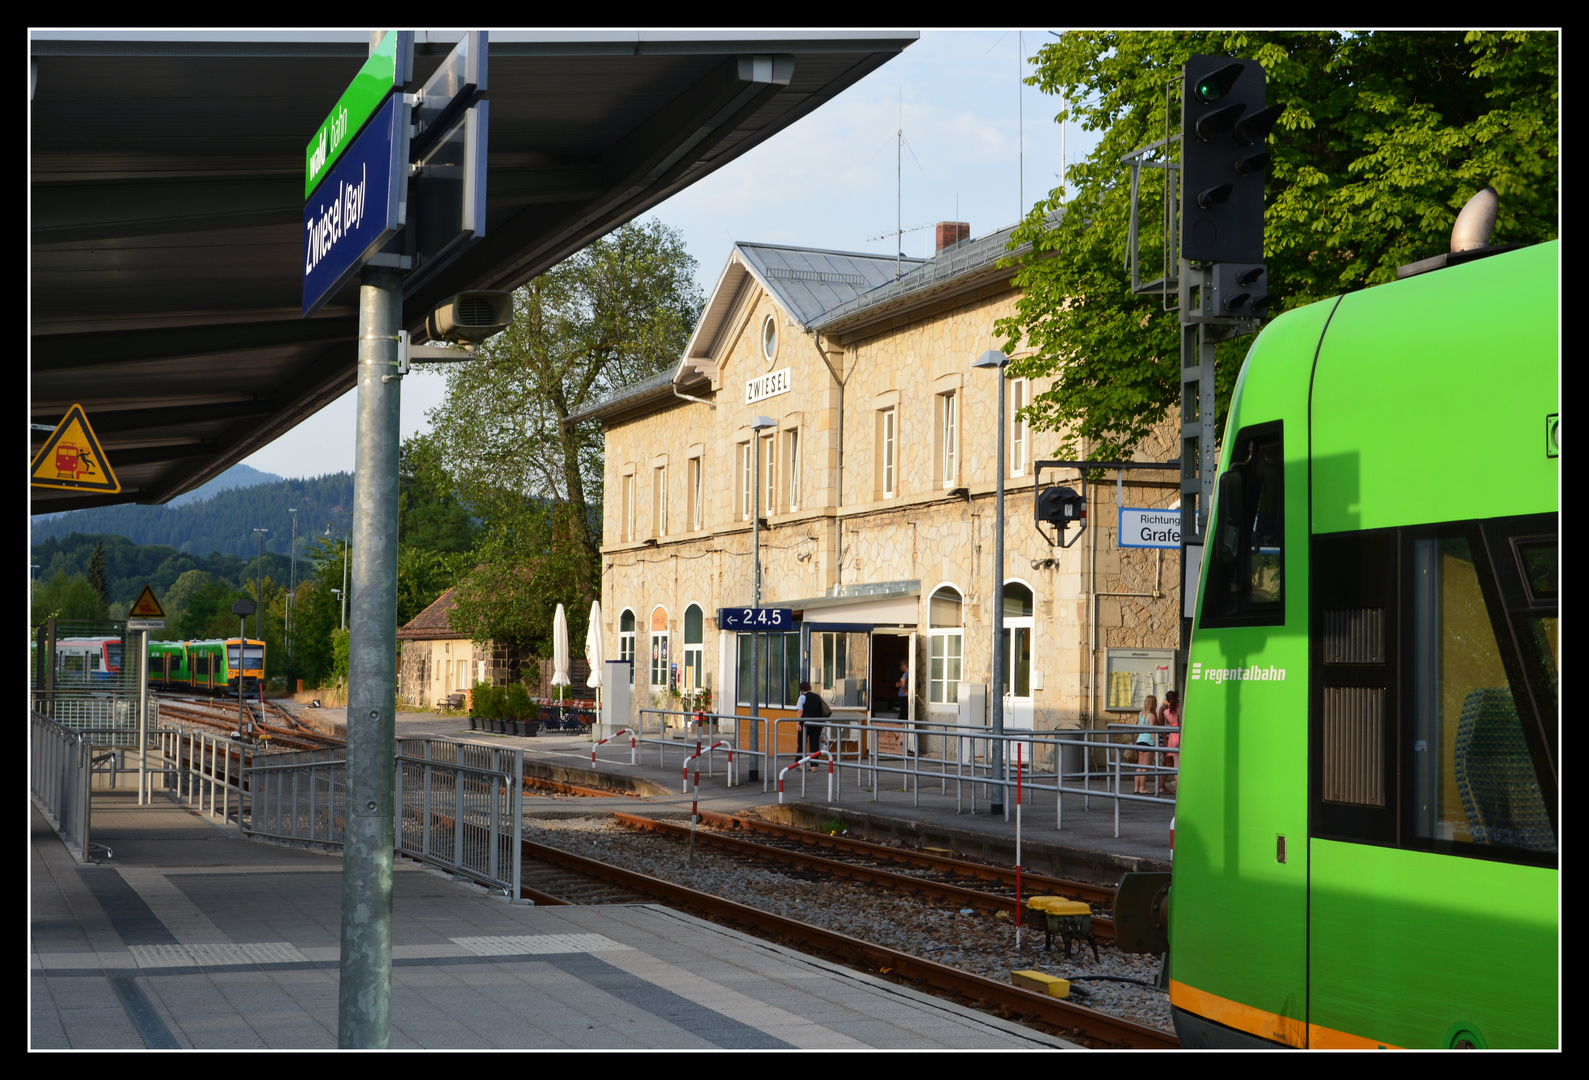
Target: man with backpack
813	707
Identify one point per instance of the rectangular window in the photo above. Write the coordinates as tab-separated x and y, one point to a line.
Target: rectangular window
769	477
887	422
777	670
1017	428
948	444
659	501
626	523
792	463
659	660
745	460
943	668
1246	577
697	497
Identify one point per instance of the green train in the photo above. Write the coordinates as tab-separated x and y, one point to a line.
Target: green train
1367	818
216	666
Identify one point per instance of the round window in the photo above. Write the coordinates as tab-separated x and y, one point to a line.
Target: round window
769	338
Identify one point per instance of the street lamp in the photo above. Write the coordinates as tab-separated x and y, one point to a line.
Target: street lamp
292	580
996	360
757	426
342	592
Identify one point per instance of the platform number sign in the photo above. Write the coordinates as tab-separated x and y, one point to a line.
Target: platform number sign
755	618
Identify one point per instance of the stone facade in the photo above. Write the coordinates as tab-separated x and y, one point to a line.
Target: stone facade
882	493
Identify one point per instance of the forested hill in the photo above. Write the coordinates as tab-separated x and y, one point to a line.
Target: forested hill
225	522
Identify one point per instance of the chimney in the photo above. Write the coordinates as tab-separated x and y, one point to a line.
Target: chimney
951	233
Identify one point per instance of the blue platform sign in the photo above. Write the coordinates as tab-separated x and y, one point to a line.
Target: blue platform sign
357	208
734	618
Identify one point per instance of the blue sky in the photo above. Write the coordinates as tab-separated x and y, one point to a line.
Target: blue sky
979	147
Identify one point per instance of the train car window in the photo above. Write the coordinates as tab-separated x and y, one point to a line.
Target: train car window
1474	775
1246	582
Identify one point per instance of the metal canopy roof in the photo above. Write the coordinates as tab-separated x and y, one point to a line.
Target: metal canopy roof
167	201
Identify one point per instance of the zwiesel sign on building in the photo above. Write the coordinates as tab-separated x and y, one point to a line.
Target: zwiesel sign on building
1150	528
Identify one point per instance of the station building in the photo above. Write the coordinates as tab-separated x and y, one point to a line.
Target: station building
875	486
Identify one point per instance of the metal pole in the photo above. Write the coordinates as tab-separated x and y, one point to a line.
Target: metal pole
364	1008
292	580
143	716
755	601
998	611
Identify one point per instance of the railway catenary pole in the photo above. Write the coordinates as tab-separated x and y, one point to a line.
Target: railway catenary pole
364	1007
259	590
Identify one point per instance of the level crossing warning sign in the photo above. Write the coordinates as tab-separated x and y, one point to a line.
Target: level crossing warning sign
71	458
146	612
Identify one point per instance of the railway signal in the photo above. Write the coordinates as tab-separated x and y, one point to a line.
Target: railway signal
1061	507
1224	125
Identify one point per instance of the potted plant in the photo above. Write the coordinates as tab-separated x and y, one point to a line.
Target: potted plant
518	710
478	698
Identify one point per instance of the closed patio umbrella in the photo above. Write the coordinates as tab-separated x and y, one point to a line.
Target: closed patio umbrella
593	653
560	651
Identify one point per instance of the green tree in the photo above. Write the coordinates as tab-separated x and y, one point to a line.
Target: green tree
96	573
63	597
1385	137
618	312
430	515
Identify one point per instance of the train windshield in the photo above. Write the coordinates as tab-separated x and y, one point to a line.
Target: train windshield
113	655
253	656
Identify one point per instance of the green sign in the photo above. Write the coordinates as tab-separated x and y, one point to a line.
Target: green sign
364	95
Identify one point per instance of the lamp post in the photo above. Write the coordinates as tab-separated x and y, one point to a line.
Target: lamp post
757	426
996	360
259	585
342	592
292	580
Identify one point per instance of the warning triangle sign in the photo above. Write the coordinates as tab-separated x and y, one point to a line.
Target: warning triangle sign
146	606
71	458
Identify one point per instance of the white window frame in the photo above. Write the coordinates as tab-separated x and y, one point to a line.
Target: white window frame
793	462
1013	626
769	465
626	640
746	482
697	499
659	496
627	523
946	645
889	463
1019	388
693	674
951	474
659	649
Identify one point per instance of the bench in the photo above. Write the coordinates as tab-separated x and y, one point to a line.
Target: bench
451	701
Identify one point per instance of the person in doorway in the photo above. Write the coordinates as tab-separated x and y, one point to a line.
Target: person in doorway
902	689
1146	743
1170	718
810	707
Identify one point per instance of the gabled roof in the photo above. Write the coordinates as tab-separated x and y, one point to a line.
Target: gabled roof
805	282
432	623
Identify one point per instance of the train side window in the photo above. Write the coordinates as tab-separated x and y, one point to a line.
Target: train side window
1474	777
1247	574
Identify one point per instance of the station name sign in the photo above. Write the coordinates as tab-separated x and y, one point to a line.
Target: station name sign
387	68
734	618
357	208
769	385
1150	528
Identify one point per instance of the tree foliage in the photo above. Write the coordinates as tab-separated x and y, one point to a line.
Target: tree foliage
619	311
1385	137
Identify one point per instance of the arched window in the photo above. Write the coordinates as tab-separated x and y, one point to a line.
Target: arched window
946	646
626	640
694	649
659	647
1017	639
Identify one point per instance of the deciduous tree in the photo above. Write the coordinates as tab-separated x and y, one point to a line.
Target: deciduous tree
1385	136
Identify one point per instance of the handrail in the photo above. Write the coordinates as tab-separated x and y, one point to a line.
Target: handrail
800	764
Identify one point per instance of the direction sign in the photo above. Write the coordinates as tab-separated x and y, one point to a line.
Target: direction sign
358	208
389	66
71	458
1150	528
733	618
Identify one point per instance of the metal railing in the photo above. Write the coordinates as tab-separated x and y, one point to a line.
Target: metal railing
60	778
459	806
1080	762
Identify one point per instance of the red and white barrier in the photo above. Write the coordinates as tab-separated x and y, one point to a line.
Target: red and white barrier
800	763
633	755
698	753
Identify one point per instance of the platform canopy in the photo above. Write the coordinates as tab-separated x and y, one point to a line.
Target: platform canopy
167	199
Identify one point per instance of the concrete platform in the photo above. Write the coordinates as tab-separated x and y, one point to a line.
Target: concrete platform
189	937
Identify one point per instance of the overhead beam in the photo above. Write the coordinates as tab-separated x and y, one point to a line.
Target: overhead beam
56	352
76	212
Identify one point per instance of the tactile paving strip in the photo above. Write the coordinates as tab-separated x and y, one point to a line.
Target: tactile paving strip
538	944
257	952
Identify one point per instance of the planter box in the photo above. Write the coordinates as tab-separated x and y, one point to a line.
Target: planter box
474	723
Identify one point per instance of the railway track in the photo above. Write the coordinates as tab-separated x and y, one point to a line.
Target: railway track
285	732
860	864
1059	1015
